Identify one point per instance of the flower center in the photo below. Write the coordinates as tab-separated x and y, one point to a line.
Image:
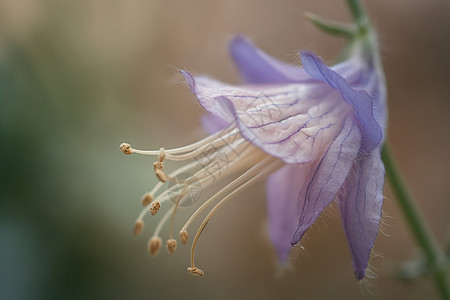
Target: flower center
209	160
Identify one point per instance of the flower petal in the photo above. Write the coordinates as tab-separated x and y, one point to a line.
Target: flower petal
206	89
361	208
213	124
360	100
285	196
329	176
255	66
293	122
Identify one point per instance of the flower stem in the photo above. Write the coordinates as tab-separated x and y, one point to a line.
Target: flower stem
434	255
358	13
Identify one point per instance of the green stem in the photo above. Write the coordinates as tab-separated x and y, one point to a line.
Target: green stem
358	14
433	253
436	261
365	32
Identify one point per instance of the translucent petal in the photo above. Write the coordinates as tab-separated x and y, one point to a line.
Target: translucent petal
285	195
293	122
361	208
213	124
329	176
360	100
255	66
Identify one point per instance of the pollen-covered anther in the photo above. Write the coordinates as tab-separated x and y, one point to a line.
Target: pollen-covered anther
138	227
171	245
195	271
154	245
158	165
184	237
147	199
155	207
126	148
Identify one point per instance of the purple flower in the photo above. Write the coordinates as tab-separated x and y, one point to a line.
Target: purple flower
314	132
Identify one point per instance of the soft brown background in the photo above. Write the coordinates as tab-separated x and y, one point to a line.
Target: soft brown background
78	78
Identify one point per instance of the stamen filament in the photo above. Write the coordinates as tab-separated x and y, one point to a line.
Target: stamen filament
160	199
274	164
180	196
226	172
216	156
126	148
238	181
162	222
174	174
154	243
160	184
170	154
205	178
228	131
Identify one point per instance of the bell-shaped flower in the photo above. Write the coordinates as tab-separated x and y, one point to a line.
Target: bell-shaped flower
314	132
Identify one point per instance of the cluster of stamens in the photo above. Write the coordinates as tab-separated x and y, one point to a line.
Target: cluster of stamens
206	167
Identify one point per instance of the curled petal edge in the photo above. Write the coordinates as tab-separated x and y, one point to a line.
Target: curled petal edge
255	66
359	100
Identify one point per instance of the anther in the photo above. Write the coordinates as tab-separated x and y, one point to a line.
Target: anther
155	207
184	237
126	148
162	154
154	245
161	175
158	167
195	271
138	227
171	245
147	199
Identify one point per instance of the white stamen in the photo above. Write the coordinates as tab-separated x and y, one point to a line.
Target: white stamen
161	155
180	196
253	159
238	181
212	141
162	222
204	177
174	174
216	157
274	164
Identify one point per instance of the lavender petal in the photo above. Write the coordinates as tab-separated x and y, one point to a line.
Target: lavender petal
360	100
293	122
212	123
361	208
329	176
255	66
284	201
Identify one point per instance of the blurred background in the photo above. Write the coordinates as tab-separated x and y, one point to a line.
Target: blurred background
77	78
